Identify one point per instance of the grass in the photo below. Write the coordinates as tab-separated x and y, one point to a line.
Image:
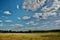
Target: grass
30	36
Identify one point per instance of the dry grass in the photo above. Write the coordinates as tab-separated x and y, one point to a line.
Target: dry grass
30	36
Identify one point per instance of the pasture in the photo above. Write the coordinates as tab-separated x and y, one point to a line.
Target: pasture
30	36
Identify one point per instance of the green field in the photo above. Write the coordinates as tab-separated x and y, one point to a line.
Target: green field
30	36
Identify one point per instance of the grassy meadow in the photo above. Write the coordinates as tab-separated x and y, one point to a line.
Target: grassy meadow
30	36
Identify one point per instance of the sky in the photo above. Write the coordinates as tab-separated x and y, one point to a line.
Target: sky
24	15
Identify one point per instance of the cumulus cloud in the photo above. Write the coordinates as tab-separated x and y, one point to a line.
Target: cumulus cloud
59	14
47	14
45	24
37	15
4	16
1	24
44	15
51	11
17	25
18	18
0	20
18	7
9	21
33	4
57	22
32	23
51	25
7	12
55	6
47	11
25	17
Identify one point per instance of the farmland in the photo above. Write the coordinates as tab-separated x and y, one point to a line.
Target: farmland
30	36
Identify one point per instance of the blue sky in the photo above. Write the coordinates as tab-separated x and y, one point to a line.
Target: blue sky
14	17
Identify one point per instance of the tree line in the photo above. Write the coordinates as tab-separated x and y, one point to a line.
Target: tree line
29	31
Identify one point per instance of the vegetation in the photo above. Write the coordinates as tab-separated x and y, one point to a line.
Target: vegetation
30	36
30	31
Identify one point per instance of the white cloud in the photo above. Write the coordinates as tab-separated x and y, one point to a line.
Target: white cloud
18	7
55	6
7	12
9	21
51	25
25	17
34	24
44	15
51	11
0	20
59	14
5	17
57	22
1	24
46	22
47	14
33	4
8	29
47	11
37	15
17	25
31	23
18	18
12	25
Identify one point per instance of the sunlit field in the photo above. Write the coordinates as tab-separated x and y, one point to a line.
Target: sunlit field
30	36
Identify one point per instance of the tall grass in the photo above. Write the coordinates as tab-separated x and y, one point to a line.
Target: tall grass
30	36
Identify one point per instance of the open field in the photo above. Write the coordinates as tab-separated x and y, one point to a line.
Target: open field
30	36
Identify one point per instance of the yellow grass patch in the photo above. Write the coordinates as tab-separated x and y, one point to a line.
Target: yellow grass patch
30	36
